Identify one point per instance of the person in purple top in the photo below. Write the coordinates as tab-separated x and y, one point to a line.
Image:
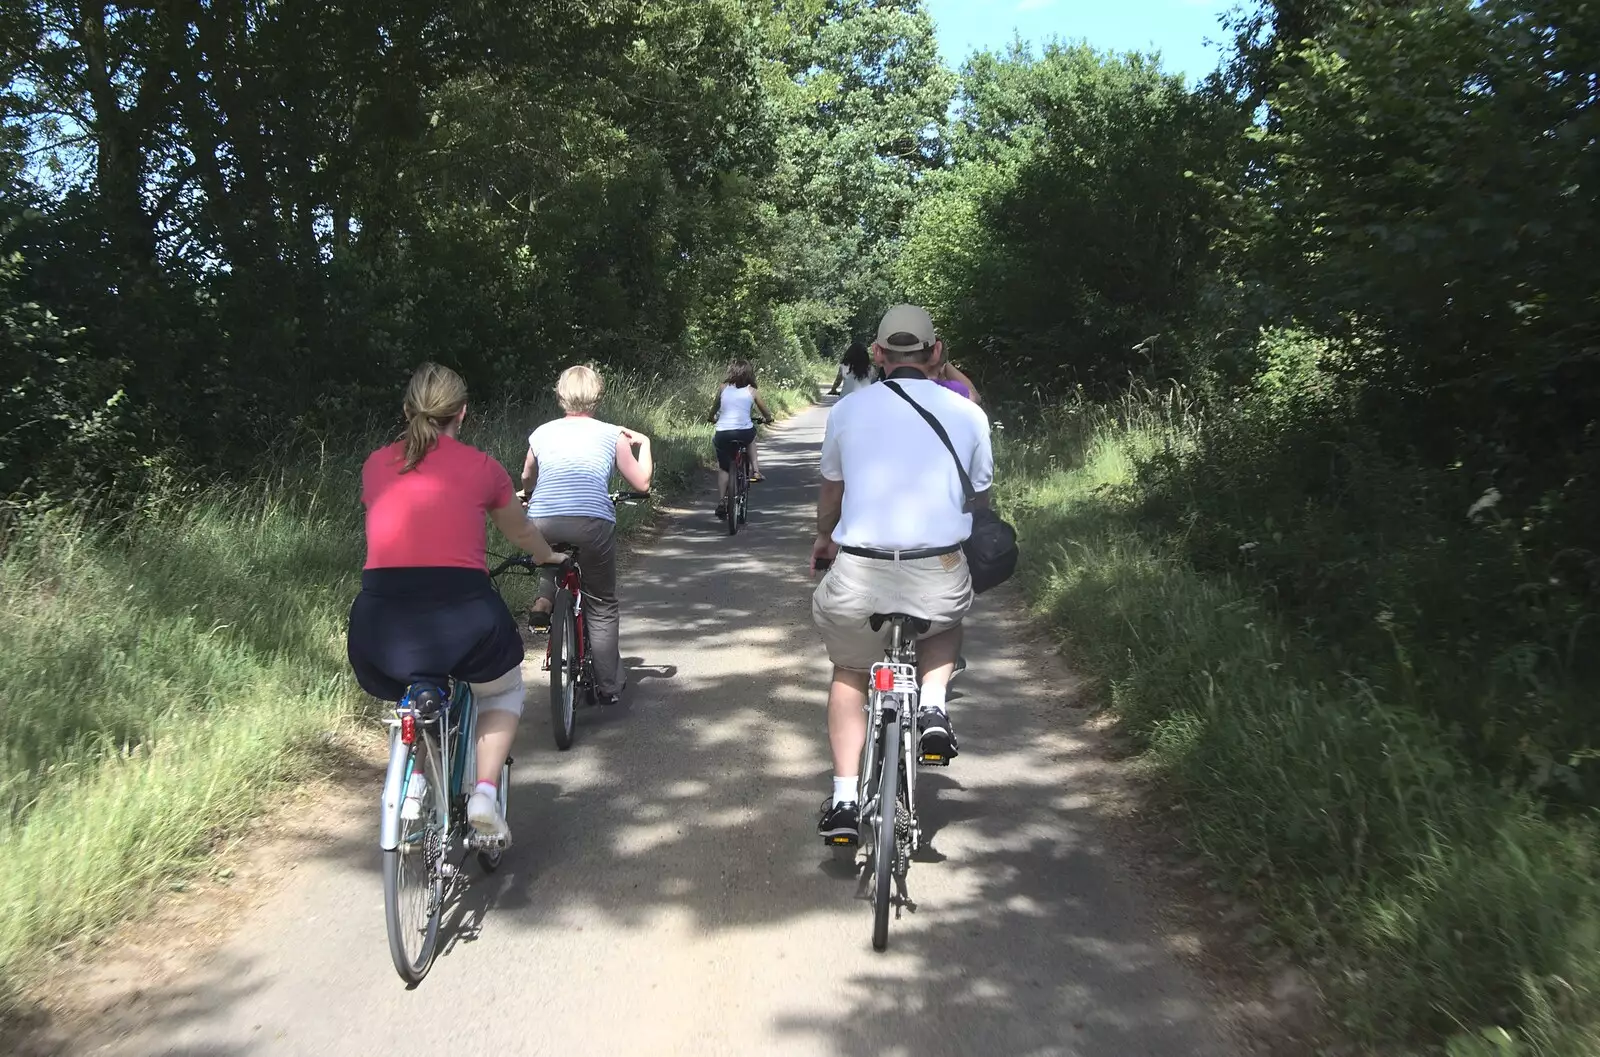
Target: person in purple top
953	380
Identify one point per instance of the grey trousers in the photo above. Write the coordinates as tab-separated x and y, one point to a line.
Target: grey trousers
596	540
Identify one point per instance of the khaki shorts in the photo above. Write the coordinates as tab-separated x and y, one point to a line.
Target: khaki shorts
938	589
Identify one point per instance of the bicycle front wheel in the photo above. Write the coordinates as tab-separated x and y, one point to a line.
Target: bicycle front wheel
563	670
413	876
884	845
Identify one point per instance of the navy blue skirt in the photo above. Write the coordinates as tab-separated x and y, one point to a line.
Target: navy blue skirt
426	625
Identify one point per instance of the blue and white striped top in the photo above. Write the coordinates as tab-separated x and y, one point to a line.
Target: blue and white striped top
576	456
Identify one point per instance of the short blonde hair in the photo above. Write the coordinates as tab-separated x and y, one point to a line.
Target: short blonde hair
579	390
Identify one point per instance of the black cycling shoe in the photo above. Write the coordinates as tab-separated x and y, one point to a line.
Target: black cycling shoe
840	824
539	621
937	744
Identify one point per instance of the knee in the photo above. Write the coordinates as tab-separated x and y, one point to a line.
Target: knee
504	694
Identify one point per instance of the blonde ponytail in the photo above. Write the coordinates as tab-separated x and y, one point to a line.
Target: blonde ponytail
434	398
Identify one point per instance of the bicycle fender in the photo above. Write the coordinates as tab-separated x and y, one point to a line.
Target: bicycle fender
394	782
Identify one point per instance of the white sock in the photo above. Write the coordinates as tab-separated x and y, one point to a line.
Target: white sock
932	696
489	789
844	789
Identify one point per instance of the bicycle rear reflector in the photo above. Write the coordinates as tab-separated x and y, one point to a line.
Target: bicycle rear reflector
883	680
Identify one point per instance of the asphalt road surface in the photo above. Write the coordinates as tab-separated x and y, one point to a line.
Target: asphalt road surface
667	893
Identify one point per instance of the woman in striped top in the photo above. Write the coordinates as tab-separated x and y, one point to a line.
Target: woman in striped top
567	475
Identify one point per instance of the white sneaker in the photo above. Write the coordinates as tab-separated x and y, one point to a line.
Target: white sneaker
484	814
416	793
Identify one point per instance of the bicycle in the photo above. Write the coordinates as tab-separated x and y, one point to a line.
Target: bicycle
566	655
433	728
890	830
736	500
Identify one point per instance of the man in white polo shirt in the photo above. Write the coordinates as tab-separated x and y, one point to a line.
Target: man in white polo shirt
891	517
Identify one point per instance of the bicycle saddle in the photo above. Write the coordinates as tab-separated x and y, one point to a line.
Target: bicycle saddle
424	698
917	624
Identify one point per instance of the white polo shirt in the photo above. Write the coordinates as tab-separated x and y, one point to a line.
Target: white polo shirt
901	489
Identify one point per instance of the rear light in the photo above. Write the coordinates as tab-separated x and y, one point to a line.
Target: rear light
408	728
883	680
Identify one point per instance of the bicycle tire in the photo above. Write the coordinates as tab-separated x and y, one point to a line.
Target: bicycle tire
563	671
744	492
415	835
885	846
490	860
733	499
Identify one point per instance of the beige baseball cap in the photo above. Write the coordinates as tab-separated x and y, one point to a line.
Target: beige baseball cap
906	328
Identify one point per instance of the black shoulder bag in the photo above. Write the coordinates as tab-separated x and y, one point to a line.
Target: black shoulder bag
991	550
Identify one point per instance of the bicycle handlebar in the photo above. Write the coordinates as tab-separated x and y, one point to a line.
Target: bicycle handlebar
523	561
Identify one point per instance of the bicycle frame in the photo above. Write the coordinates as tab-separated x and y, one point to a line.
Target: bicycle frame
452	732
571	581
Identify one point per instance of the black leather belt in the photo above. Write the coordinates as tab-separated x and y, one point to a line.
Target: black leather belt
901	556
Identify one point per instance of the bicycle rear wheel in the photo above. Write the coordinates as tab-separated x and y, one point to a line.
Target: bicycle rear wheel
884	844
733	495
413	881
744	491
563	670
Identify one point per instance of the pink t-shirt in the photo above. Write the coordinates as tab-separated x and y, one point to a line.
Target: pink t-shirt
432	516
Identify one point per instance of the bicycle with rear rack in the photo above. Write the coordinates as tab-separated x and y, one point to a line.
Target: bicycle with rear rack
887	790
566	657
423	830
736	500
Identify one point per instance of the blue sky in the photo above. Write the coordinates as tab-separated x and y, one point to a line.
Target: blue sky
1179	29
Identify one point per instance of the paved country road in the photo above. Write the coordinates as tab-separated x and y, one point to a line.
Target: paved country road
667	893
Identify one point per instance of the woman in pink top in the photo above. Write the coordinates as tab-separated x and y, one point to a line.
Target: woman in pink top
427	611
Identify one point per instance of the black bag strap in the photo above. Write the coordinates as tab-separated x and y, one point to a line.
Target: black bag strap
938	427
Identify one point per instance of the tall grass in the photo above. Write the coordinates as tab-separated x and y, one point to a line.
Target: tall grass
162	677
1445	910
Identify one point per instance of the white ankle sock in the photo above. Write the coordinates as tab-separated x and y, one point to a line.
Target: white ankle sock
932	696
844	789
488	789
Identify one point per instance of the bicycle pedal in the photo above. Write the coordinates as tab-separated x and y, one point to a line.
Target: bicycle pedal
934	759
841	841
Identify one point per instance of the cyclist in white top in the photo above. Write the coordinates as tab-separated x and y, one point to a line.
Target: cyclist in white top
856	371
730	410
891	516
567	475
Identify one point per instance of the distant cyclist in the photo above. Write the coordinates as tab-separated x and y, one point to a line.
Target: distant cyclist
730	409
856	371
567	474
427	611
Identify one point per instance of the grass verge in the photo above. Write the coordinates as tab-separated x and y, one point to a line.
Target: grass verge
161	678
1443	911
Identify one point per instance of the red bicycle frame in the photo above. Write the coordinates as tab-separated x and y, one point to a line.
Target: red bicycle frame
571	583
